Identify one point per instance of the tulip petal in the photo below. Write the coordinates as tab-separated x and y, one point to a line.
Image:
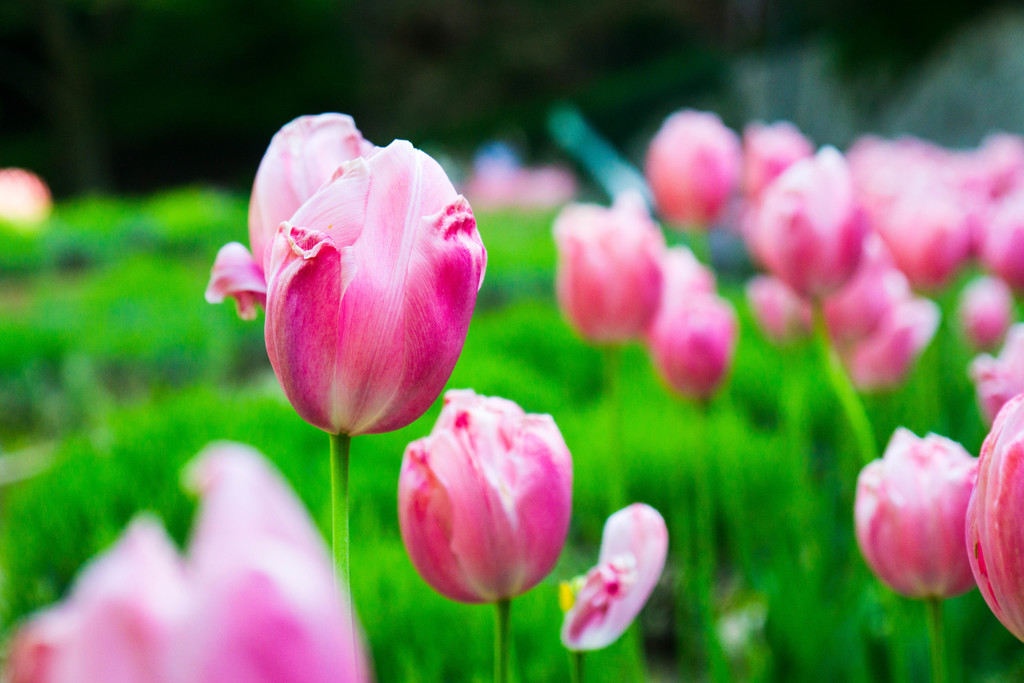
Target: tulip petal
237	275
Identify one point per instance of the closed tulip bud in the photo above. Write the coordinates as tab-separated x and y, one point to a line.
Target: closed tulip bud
882	359
603	603
301	157
1002	159
808	230
998	379
986	312
995	532
781	314
768	151
693	165
909	515
484	501
25	199
1002	242
371	286
609	270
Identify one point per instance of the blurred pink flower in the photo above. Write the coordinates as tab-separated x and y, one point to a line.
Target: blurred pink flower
609	278
883	359
610	596
24	197
484	501
301	157
997	380
986	312
768	150
995	528
500	181
370	289
807	229
909	515
858	308
1002	241
781	314
693	165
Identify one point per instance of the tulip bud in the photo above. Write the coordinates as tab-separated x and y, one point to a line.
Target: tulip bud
780	313
1002	160
807	229
693	164
1002	242
370	290
24	198
995	534
768	151
609	272
602	604
857	309
484	501
882	359
986	312
301	157
997	380
909	515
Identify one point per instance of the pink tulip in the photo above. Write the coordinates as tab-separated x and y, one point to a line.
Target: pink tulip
693	338
780	313
255	600
808	231
986	311
24	197
607	600
609	271
909	515
1002	242
883	359
301	157
693	164
768	151
500	181
370	289
1001	156
997	380
995	534
484	501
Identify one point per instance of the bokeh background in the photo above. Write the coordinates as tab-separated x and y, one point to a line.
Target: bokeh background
149	117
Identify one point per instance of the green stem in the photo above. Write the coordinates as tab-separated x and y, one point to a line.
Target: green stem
501	636
613	389
848	397
576	666
935	635
340	444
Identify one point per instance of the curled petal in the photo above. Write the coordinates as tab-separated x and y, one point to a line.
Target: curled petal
235	274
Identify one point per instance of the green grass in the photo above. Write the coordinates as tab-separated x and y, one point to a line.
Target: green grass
117	361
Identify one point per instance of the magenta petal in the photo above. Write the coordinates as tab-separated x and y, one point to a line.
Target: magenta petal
235	274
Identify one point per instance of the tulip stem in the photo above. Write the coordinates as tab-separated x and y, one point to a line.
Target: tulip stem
340	444
613	390
848	397
935	635
501	639
576	665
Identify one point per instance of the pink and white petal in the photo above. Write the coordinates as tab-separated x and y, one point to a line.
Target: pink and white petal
235	274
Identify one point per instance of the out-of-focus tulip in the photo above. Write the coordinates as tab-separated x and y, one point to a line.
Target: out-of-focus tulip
986	312
693	165
997	380
995	528
255	600
24	198
909	515
768	151
693	337
882	359
1002	242
608	598
499	180
370	290
301	157
609	278
484	501
1001	156
780	313
807	229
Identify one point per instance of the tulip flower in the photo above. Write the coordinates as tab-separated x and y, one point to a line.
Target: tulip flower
780	313
1002	242
985	312
609	277
995	533
768	151
603	603
807	228
882	359
500	181
998	379
909	512
25	199
301	157
1001	157
693	165
254	600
